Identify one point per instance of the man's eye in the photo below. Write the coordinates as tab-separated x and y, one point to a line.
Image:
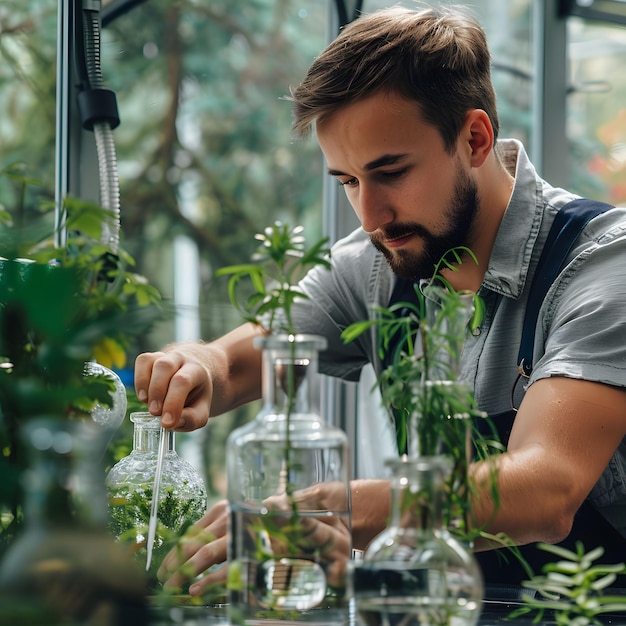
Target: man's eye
351	182
394	174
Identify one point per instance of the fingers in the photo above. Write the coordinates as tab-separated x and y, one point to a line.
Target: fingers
202	546
143	373
175	562
175	386
214	553
334	540
216	516
332	496
215	577
206	556
330	535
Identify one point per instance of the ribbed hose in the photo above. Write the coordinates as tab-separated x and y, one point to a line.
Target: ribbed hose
107	158
109	183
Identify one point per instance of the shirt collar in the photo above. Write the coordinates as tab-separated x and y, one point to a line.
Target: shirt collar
511	254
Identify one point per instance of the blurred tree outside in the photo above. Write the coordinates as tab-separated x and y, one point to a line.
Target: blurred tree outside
28	95
204	148
597	115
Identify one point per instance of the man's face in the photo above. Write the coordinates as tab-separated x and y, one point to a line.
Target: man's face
415	199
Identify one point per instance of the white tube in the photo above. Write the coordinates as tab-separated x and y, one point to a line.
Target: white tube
107	158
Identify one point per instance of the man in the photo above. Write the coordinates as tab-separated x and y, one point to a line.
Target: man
404	112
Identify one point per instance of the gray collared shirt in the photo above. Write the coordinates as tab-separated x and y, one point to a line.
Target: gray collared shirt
580	333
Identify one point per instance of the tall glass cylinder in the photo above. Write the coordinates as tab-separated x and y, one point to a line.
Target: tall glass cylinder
415	573
288	491
182	493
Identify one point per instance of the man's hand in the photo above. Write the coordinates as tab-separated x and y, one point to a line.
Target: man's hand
328	538
203	546
177	386
186	383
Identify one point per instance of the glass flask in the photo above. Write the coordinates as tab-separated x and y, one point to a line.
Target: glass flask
64	567
109	418
182	493
415	573
288	491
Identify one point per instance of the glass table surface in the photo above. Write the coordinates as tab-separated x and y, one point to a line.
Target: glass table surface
495	613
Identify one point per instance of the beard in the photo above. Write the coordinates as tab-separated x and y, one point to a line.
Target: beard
459	220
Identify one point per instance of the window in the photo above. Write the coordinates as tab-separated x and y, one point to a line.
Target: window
596	115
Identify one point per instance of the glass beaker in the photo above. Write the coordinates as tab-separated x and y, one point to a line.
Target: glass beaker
415	573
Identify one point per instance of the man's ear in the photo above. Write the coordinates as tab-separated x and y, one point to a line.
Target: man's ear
478	133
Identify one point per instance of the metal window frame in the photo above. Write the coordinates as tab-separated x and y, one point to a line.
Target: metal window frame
551	73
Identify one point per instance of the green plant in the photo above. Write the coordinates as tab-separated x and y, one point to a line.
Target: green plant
59	307
433	411
130	512
573	589
280	261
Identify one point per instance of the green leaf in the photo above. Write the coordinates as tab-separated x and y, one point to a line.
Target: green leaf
355	330
274	277
243	268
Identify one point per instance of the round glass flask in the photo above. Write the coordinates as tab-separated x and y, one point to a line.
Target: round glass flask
182	493
415	573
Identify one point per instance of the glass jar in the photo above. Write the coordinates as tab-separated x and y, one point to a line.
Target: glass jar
288	492
182	493
415	573
64	567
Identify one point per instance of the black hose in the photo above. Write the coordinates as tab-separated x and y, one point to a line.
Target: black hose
342	12
113	10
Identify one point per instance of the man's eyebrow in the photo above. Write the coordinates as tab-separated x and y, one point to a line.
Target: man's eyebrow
385	159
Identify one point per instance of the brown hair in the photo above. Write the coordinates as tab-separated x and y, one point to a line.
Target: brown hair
437	57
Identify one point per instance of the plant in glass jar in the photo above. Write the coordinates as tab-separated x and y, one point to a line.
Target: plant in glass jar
420	570
288	489
130	484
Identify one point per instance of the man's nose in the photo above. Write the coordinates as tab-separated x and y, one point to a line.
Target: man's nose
373	209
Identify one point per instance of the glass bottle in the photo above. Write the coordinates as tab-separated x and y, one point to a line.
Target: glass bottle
182	493
64	567
288	492
415	573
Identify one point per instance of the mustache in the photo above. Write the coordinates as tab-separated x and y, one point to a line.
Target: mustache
396	231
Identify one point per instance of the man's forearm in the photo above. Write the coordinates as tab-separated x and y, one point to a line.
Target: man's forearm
528	508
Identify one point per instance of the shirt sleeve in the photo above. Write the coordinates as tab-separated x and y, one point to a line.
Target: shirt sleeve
583	322
338	297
